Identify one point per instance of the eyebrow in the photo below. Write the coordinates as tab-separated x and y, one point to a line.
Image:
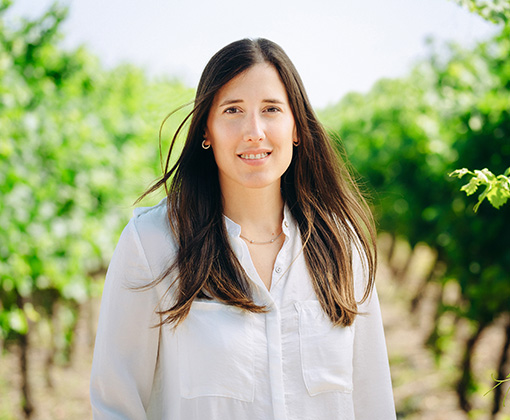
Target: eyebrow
237	101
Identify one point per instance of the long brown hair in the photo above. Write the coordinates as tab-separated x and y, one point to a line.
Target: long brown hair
331	213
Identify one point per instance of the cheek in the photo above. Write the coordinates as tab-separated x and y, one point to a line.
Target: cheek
224	150
287	135
224	135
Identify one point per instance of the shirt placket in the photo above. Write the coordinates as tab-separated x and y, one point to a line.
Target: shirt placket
271	299
274	332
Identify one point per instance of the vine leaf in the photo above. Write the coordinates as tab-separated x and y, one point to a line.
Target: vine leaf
461	172
497	188
471	187
499	196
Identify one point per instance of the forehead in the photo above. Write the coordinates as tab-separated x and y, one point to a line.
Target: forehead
260	81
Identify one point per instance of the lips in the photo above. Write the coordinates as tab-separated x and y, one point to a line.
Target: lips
254	156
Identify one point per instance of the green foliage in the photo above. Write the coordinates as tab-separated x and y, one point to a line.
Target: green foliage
497	11
405	135
78	144
497	188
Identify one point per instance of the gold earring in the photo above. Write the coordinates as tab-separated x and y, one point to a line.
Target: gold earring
205	146
296	143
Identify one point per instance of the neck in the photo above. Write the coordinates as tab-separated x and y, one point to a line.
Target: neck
258	211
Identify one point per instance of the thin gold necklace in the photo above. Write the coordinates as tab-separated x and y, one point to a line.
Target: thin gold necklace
261	243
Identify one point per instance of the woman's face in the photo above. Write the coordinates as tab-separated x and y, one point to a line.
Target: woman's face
251	128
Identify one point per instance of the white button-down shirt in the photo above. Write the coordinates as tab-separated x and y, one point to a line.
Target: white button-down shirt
223	363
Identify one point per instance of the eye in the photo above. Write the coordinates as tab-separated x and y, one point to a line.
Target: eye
272	109
232	110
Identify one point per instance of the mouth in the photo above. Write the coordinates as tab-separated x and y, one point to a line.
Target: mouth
251	156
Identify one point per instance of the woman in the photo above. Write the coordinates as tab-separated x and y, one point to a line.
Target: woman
248	292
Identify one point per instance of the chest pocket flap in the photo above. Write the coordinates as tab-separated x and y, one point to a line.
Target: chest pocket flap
215	345
326	350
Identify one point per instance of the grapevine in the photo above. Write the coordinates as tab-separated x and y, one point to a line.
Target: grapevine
497	188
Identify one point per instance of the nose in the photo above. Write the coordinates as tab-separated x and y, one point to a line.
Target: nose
254	130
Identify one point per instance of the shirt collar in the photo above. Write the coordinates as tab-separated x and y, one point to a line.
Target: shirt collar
233	229
288	221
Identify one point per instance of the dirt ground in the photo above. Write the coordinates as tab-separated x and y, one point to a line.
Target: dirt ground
423	389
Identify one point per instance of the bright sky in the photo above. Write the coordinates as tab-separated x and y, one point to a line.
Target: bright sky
337	45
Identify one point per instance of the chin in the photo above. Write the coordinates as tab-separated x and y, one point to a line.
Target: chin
251	181
262	183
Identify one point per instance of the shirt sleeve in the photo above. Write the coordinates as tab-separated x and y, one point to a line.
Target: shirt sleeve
126	347
372	390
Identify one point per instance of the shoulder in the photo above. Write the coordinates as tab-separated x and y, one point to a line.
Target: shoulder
151	227
151	220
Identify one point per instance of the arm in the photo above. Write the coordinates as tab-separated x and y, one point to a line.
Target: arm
372	393
126	347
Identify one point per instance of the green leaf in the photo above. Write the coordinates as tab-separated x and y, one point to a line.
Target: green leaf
460	172
498	195
471	187
488	174
484	175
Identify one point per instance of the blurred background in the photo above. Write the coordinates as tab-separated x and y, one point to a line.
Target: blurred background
412	90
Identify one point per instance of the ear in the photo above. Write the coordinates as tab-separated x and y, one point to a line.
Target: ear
207	142
295	139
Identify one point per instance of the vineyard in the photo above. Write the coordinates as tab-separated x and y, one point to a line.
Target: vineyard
78	145
405	136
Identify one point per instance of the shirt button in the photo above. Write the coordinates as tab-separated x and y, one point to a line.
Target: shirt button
278	269
286	224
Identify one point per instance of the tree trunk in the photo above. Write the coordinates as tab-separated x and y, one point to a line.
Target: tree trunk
420	291
50	357
502	373
391	250
466	379
70	342
400	272
26	391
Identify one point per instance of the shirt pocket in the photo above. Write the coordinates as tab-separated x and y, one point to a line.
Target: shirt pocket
215	344
326	351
